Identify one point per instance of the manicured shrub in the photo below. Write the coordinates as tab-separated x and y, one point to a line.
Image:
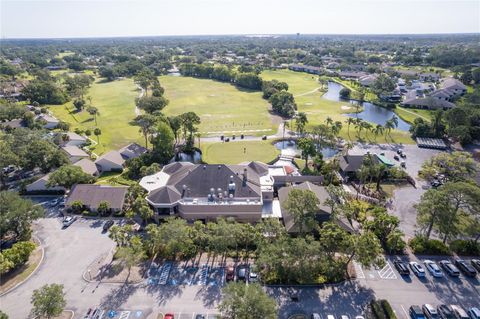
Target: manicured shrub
422	245
16	256
377	310
388	309
465	247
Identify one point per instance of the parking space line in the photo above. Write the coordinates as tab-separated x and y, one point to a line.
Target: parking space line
405	312
124	315
387	272
358	270
165	273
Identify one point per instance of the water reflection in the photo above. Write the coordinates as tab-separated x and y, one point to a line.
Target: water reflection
371	112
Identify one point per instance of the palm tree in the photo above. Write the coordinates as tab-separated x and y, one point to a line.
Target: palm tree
368	127
337	127
358	126
437	122
389	125
300	122
329	121
97	132
286	125
94	112
378	131
348	146
349	121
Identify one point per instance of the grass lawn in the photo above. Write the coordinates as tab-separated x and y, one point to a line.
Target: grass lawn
425	69
298	82
238	152
409	115
116	104
222	107
64	54
318	108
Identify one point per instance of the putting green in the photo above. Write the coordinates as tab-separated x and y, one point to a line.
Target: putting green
238	152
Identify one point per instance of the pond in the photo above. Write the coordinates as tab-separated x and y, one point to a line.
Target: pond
290	146
371	112
195	157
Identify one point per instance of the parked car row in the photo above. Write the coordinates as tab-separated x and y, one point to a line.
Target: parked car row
241	273
443	311
317	316
452	269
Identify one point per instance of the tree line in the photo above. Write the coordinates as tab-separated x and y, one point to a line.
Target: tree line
450	211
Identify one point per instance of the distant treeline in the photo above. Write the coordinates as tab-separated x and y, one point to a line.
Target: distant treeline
274	91
222	73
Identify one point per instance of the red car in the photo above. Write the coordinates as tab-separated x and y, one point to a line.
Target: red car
230	273
169	316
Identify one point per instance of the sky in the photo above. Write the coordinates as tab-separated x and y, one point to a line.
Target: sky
112	18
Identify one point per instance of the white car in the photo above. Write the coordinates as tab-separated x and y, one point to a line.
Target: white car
417	269
68	221
433	268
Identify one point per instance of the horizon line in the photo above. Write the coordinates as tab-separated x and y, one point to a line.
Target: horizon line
238	34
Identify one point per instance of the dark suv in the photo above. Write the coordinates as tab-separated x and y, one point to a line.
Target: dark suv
445	312
401	267
416	312
449	268
242	273
467	269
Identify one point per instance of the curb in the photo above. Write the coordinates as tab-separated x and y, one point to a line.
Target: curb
32	273
84	277
73	313
313	285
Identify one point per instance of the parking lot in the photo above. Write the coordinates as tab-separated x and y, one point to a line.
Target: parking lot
175	274
99	313
404	291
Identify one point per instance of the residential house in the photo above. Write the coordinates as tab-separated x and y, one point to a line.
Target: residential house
350	164
50	121
40	186
367	80
305	68
453	85
88	166
74	139
429	103
92	195
322	215
111	161
12	124
429	77
132	151
351	75
74	153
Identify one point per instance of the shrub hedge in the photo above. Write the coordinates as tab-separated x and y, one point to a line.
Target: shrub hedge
422	245
465	247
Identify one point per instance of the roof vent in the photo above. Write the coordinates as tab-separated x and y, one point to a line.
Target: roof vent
204	166
219	166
